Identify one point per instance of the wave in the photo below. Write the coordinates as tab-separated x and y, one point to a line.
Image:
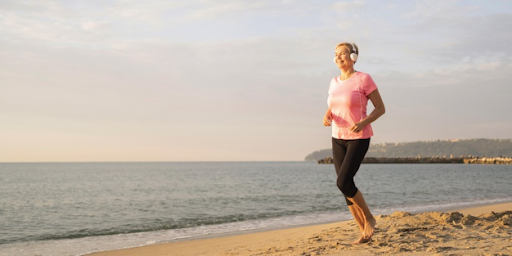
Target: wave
188	227
159	224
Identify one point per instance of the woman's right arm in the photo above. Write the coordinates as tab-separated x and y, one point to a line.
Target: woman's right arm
328	117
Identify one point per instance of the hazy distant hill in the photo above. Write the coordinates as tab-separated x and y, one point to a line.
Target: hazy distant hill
469	147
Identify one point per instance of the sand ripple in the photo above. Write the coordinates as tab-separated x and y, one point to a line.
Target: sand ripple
403	233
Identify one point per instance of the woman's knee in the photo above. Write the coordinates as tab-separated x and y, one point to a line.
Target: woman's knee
348	189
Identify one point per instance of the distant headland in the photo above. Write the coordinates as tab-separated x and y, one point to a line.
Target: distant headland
482	151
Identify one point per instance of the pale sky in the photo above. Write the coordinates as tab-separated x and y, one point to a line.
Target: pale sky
232	80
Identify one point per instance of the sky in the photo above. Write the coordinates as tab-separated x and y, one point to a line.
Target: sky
232	80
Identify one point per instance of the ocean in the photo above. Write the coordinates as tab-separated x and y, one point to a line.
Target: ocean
80	208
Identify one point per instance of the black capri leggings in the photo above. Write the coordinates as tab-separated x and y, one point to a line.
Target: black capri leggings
348	155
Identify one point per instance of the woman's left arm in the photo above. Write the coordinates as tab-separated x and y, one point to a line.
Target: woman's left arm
376	113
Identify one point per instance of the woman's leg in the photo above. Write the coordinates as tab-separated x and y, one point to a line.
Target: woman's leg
339	149
353	154
359	218
369	221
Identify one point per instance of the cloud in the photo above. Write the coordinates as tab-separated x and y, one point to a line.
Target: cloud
348	7
54	24
218	9
91	26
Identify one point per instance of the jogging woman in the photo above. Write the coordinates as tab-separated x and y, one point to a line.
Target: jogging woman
351	130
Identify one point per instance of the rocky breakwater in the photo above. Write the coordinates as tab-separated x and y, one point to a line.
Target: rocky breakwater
428	160
413	160
488	160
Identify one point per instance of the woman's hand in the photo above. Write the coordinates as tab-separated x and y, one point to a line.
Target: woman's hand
327	118
358	127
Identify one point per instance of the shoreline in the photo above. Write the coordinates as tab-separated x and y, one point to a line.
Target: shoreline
432	233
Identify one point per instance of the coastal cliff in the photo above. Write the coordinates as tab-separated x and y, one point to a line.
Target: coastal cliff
432	151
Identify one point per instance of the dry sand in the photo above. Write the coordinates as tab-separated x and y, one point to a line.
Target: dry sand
483	230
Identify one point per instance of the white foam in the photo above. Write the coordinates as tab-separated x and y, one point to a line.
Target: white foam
83	246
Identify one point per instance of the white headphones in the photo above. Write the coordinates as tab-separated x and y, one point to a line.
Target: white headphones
353	54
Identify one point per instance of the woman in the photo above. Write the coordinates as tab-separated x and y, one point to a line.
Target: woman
351	130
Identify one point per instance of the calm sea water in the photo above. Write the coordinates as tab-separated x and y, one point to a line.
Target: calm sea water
78	208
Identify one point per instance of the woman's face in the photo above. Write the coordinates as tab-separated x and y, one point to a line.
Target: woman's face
342	56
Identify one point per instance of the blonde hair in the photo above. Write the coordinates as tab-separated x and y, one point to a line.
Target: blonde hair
351	46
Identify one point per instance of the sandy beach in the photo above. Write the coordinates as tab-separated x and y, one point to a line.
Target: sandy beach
485	230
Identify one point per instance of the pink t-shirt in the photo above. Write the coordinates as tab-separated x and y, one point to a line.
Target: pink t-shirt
347	101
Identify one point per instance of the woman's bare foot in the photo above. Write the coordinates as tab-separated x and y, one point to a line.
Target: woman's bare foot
369	228
362	240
